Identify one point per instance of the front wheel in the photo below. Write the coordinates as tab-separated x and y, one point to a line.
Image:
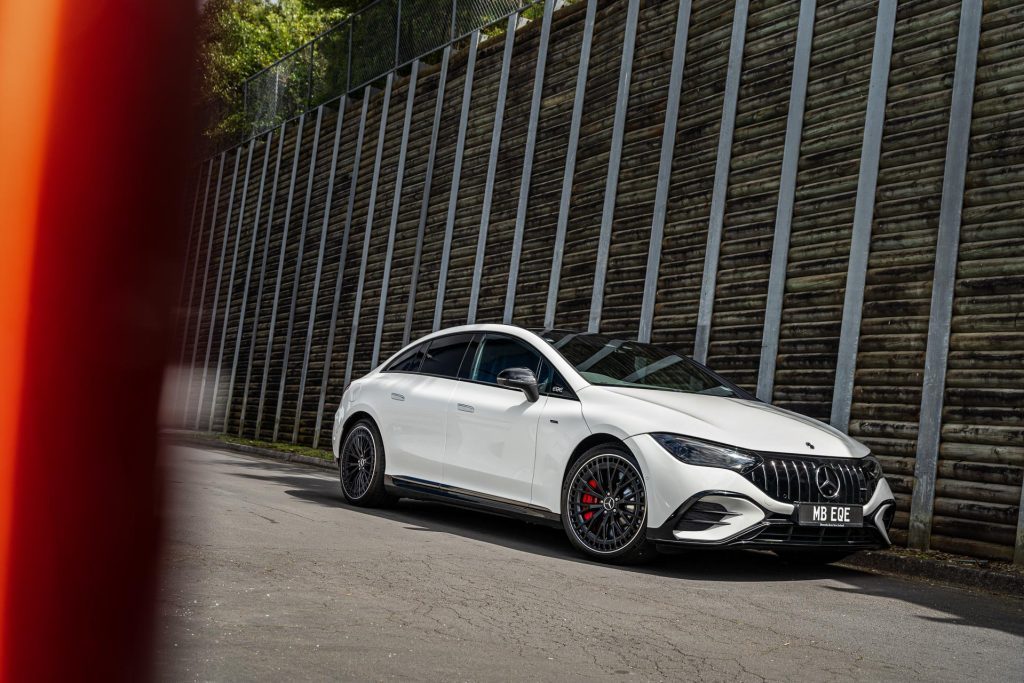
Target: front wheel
361	467
604	506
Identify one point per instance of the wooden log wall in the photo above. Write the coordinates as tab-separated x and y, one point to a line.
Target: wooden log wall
287	267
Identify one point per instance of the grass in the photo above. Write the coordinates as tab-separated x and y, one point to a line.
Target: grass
275	446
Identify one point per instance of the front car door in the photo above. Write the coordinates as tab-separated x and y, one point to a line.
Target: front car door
491	431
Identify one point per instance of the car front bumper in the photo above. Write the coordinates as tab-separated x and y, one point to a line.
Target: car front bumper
679	496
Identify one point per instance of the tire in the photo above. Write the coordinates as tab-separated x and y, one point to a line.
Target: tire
811	557
361	467
606	530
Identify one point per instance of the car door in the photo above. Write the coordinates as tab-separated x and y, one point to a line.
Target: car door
418	386
491	431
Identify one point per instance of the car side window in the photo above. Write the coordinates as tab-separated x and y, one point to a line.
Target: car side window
444	355
551	383
409	361
500	353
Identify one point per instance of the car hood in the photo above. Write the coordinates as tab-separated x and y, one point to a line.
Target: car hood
737	422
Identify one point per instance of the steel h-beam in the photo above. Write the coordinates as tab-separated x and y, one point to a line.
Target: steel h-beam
929	430
569	172
784	208
668	148
614	160
453	195
721	182
527	174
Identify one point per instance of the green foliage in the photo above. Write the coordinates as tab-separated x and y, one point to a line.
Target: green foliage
240	37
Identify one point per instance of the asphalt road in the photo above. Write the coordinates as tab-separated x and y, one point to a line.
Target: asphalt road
269	575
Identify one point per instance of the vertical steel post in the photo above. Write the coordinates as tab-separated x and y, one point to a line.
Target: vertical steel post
248	279
453	195
216	291
398	33
325	222
368	233
297	277
259	286
396	205
863	214
492	166
668	148
206	274
784	207
570	164
721	183
189	250
231	284
280	274
614	159
527	174
937	350
353	184
425	202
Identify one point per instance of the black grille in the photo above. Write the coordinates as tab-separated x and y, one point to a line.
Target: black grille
793	479
792	534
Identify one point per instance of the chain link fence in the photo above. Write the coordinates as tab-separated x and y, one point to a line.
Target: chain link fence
383	36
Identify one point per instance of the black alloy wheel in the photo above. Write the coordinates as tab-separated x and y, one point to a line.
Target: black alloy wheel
361	468
605	505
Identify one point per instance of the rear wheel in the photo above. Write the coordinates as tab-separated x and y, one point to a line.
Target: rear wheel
361	467
604	506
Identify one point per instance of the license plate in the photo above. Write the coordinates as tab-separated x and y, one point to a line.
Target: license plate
828	514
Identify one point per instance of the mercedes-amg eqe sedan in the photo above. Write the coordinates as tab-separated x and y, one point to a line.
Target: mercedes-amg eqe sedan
630	447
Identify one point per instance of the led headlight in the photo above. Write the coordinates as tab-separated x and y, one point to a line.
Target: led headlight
695	452
871	467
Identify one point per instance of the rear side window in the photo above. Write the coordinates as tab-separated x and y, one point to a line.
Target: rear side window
409	361
444	355
502	353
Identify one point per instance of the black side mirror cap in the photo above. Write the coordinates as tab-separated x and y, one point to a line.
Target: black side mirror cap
522	379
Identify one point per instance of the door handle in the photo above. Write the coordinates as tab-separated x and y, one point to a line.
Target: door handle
466	408
397	397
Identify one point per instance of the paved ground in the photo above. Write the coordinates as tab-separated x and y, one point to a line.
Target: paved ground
269	575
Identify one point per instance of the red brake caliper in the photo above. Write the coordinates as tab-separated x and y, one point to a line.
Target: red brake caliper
588	499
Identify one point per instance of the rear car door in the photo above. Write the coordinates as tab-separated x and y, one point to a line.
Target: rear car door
491	431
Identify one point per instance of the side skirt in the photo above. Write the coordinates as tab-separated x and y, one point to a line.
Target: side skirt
421	489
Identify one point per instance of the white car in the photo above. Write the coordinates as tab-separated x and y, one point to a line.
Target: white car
630	447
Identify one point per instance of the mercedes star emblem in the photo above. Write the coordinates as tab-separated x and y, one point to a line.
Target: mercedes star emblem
828	481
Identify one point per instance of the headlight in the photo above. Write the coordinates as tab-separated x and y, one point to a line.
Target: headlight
871	467
694	452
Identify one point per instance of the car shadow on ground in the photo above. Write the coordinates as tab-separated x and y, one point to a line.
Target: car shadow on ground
960	607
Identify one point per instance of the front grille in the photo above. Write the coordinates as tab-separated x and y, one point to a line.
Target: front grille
793	479
792	534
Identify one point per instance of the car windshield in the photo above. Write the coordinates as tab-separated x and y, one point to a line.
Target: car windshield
623	363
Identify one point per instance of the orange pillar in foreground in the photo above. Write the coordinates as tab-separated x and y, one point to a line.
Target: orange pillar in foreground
94	141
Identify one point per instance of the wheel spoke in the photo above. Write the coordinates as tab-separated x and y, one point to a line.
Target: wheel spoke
604	529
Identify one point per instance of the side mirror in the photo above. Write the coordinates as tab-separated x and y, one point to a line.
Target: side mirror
520	378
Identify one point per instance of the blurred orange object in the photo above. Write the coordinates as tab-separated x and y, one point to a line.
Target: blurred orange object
94	122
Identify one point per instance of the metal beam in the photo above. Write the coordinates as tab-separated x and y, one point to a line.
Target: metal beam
453	194
425	202
245	288
280	273
721	183
527	174
192	290
570	164
396	205
338	125
297	277
784	208
189	250
668	148
206	274
492	166
368	232
231	283
614	159
929	430
353	184
259	286
863	214
216	291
